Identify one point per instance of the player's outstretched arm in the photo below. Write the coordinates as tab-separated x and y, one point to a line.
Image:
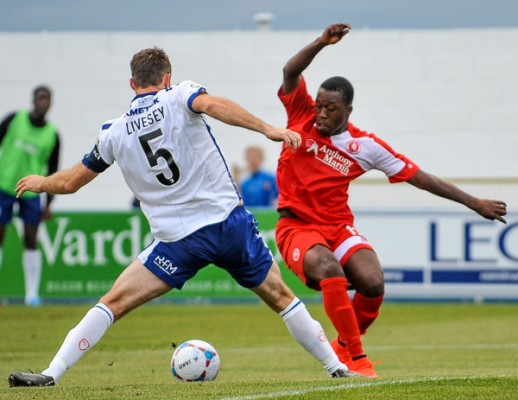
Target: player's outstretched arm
62	182
489	209
232	113
293	69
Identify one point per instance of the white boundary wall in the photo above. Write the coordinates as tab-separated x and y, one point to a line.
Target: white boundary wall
446	98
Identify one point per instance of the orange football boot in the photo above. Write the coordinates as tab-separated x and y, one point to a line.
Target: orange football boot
362	366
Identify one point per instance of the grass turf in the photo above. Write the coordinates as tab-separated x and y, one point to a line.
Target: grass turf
428	351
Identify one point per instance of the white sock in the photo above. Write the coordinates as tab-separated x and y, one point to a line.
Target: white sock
1	256
83	337
310	335
31	261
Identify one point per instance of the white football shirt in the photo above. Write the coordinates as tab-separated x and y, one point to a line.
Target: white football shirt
171	161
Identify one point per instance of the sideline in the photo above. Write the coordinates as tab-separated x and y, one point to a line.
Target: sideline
351	385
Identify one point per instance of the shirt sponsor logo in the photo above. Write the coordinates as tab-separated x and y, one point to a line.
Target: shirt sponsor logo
141	110
331	157
312	146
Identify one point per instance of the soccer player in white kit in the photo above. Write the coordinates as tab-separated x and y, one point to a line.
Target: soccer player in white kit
172	163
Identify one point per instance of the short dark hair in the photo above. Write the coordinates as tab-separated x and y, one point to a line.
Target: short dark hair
149	66
41	88
342	85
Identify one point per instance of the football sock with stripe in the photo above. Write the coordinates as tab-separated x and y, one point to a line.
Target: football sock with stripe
80	339
310	335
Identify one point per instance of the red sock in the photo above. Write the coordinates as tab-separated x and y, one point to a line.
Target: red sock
366	309
340	311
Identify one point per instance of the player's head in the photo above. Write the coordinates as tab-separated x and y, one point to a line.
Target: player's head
41	100
333	105
150	67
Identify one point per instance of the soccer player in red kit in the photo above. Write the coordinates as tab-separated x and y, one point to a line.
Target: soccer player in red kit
315	232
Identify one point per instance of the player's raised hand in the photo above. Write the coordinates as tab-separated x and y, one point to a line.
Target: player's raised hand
290	138
334	33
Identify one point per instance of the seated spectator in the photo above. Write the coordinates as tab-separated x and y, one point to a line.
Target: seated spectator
259	188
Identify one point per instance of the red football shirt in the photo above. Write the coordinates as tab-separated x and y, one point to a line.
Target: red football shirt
314	181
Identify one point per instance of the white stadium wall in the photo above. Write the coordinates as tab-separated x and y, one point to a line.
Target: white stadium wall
448	99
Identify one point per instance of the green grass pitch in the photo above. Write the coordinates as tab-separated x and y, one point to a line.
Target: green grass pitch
427	351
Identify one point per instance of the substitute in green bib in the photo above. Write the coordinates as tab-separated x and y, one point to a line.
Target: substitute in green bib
29	144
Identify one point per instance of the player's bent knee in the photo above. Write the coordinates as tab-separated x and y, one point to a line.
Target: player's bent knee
317	274
372	289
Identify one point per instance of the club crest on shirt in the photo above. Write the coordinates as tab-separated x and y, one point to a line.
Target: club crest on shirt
353	146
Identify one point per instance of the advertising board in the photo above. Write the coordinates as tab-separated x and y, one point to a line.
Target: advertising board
425	255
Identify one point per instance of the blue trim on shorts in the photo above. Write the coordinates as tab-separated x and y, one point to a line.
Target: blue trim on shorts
234	245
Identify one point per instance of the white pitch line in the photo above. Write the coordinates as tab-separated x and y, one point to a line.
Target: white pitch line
344	386
493	346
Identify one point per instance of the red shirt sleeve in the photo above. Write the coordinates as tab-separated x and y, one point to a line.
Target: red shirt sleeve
409	169
298	103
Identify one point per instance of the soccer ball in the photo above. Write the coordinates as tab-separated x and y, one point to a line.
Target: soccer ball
195	360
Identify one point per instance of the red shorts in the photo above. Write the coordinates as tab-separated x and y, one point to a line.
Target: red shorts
295	237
